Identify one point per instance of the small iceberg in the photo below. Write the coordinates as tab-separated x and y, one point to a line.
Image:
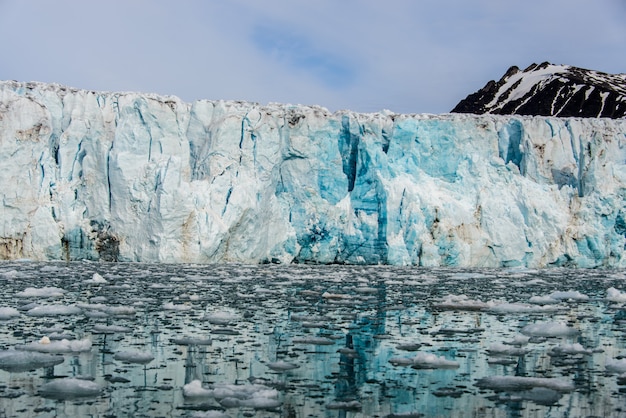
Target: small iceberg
63	346
431	361
42	292
282	366
54	310
7	313
424	361
549	329
69	388
614	295
23	361
110	329
520	383
134	356
96	279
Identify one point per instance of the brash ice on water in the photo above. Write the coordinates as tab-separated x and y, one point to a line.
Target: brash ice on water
140	177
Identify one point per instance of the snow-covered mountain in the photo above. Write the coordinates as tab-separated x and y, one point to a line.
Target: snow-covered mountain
551	90
140	177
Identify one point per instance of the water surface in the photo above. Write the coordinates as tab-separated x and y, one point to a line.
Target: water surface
89	339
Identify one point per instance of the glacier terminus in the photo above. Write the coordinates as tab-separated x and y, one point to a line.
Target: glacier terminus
142	177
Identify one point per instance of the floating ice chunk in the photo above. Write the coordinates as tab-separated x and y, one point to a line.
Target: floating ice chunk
63	346
559	296
616	365
120	310
210	414
170	306
92	306
518	340
60	335
95	314
232	396
510	308
313	340
54	310
401	361
614	295
10	275
22	361
69	388
409	346
519	383
110	329
220	318
461	302
568	295
549	329
499	349
366	290
194	389
327	295
543	300
43	292
250	396
569	349
134	356
282	366
191	341
96	279
538	395
8	313
431	361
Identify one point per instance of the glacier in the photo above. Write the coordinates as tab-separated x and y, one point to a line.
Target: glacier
142	177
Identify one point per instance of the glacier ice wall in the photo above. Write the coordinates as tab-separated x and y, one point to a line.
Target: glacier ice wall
138	177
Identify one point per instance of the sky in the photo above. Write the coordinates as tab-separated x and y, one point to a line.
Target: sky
407	56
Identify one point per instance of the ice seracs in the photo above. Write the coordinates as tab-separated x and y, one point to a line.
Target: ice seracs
140	177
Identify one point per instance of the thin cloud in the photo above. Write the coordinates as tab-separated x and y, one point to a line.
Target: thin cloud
364	55
298	52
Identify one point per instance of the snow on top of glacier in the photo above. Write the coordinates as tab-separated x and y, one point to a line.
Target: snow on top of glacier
20	87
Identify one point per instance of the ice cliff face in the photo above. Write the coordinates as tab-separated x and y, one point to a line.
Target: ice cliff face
130	177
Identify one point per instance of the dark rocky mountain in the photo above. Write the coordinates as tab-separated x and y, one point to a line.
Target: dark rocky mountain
550	90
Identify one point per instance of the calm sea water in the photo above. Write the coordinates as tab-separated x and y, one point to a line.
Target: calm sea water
88	339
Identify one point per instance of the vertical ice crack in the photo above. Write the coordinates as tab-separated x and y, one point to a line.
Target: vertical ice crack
108	175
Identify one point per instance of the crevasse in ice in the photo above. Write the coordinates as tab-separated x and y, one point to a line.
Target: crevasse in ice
141	177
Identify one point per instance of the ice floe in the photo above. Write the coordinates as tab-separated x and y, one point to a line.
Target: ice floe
282	366
615	295
70	388
549	329
425	361
22	361
134	356
54	310
110	329
96	279
63	346
514	383
8	313
616	365
233	396
42	292
462	302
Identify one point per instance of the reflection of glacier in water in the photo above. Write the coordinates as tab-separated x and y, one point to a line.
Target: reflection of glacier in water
90	339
